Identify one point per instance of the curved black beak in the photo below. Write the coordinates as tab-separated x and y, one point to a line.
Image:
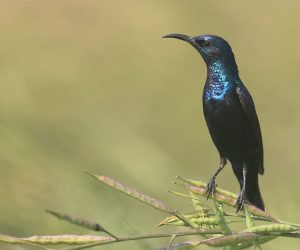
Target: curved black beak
185	38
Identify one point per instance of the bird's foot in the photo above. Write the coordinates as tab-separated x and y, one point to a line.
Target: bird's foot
241	201
211	187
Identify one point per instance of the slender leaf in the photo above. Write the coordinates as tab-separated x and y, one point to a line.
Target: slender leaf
14	240
272	228
10	239
220	219
204	185
67	239
261	240
193	215
250	223
186	221
132	192
196	203
229	240
80	222
199	221
77	221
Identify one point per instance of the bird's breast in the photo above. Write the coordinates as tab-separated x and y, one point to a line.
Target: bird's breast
218	91
221	101
226	122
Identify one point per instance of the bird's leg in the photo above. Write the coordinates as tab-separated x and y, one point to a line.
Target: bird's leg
211	185
241	200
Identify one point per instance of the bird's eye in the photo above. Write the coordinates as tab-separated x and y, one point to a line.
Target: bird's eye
205	43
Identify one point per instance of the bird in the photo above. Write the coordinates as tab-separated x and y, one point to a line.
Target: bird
231	118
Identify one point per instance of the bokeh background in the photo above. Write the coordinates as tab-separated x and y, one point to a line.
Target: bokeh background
91	86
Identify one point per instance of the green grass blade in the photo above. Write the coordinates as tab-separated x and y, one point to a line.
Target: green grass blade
10	239
145	198
229	240
196	203
80	222
180	194
221	220
193	215
272	228
204	185
132	192
261	241
250	223
67	239
199	206
76	220
210	221
14	240
186	221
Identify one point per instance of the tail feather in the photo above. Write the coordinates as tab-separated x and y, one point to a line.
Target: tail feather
253	192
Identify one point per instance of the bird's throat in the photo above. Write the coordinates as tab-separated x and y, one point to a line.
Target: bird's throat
221	72
220	80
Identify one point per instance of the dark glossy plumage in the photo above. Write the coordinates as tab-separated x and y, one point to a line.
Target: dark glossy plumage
230	116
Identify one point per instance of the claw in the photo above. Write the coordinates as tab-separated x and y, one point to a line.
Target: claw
241	201
211	187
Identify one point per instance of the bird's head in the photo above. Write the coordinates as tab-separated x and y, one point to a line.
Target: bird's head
211	47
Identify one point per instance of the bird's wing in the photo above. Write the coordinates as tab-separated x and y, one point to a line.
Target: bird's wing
249	109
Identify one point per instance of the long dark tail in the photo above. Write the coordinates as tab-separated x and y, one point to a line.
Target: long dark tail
252	190
252	186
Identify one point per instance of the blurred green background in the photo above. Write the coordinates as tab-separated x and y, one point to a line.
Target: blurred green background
90	85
